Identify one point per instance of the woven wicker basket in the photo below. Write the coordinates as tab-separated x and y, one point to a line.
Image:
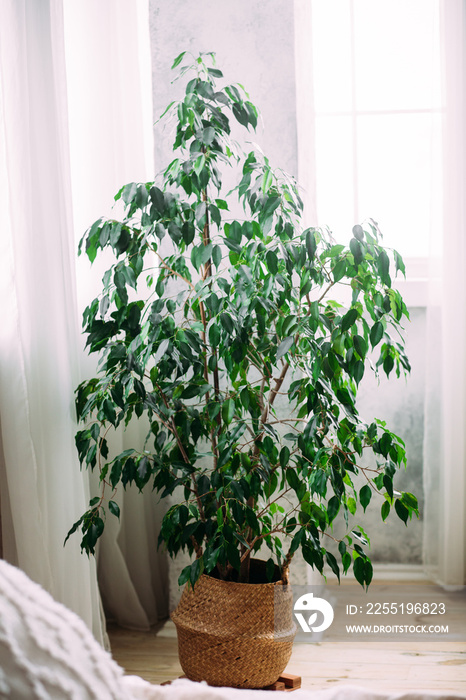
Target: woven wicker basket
235	634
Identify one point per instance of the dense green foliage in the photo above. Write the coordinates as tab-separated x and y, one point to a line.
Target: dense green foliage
204	319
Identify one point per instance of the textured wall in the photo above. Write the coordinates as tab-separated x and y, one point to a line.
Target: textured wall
254	44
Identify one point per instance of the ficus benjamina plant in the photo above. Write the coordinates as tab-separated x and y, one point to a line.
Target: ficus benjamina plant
219	322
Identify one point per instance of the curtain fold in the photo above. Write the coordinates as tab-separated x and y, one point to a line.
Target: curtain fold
75	125
445	453
109	83
42	489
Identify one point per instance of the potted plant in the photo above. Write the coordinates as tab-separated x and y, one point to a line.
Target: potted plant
207	315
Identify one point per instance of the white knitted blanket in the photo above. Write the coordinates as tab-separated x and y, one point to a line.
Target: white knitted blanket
186	690
46	651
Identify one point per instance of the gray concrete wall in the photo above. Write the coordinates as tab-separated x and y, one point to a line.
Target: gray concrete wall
254	45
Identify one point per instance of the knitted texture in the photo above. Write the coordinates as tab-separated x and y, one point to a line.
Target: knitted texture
46	651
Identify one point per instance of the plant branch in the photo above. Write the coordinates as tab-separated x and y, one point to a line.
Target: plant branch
208	275
174	429
174	272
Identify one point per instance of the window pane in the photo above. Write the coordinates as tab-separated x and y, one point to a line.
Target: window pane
396	54
334	156
399	178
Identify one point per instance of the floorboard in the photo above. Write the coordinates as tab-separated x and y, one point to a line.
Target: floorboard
388	666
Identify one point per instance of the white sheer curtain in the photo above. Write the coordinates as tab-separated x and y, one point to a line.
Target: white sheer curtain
305	108
74	81
111	139
42	489
445	458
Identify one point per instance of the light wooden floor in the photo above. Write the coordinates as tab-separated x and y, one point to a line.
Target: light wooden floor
388	666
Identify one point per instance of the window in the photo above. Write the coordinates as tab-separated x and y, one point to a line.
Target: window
378	110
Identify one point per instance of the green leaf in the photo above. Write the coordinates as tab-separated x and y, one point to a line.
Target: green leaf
228	410
241	114
269	569
142	196
385	510
200	212
208	135
217	255
388	485
235	247
205	253
272	261
104	234
215	73
352	505
143	471
157	199
284	346
401	511
252	521
357	250
346	561
358	232
161	350
385	443
267	180
233	93
383	267
227	323
215	214
339	270
376	333
234	232
311	245
114	509
332	562
358	371
129	192
75	527
333	507
174	232
284	457
388	364
348	319
365	495
176	63
214	335
409	500
205	89
245	399
184	577
359	570
399	264
360	346
109	411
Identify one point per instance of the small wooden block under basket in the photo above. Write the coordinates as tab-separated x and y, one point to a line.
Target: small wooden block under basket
286	683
